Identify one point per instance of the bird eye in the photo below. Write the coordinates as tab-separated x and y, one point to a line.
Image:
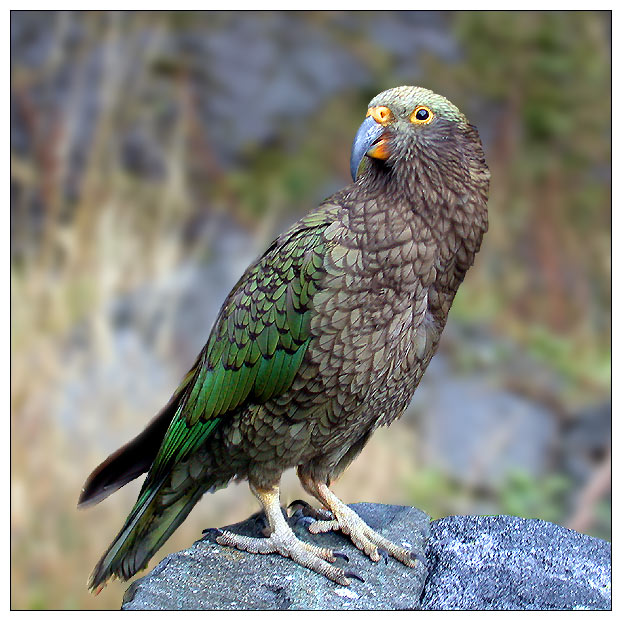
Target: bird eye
421	115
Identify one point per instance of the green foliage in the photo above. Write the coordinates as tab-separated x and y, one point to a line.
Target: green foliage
520	494
471	305
602	525
544	272
541	498
440	495
591	365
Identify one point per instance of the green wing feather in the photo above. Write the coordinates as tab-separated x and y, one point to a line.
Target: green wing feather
253	354
257	344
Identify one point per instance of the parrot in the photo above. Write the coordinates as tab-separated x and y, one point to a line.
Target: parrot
323	340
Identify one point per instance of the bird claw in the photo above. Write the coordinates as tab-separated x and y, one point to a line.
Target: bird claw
341	555
298	517
371	543
351	574
304	508
310	556
417	556
298	505
261	523
385	555
212	531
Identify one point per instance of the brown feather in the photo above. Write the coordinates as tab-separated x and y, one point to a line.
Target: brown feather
129	461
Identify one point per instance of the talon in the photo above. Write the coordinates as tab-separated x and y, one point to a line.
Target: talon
417	556
298	516
262	524
322	514
209	531
341	555
308	511
299	504
283	541
346	520
351	574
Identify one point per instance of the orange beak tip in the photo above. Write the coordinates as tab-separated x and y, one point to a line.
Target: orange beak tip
380	150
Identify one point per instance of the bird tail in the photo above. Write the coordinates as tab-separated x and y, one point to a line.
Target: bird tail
132	459
158	511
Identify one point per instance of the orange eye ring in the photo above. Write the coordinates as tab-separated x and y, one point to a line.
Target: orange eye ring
380	114
422	115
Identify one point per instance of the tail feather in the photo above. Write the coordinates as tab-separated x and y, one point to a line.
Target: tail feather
131	460
146	529
165	499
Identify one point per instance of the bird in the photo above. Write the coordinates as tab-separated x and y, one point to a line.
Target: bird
323	340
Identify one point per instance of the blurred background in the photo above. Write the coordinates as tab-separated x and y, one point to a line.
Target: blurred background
154	155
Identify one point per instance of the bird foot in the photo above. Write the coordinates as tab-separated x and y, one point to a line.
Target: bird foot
374	545
301	508
285	543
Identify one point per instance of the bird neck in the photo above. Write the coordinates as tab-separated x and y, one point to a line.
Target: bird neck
440	194
401	217
400	193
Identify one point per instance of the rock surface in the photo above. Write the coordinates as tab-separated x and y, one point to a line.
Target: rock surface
510	563
496	562
209	576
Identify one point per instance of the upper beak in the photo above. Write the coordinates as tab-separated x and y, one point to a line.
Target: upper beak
368	141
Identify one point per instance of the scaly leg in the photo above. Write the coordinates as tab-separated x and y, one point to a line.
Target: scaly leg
283	541
349	523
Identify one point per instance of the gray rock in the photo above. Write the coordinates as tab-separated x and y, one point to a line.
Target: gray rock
496	562
510	563
209	576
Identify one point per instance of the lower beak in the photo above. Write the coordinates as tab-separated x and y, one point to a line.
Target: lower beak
368	141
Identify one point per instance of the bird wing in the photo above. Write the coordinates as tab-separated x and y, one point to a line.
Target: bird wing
258	341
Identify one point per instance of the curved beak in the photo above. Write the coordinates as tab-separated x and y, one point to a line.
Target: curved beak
368	141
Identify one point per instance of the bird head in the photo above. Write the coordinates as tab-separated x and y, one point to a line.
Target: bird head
408	124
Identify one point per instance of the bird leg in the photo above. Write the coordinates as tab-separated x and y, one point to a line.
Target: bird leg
283	541
349	523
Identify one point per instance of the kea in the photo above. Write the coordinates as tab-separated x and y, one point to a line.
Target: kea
322	340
